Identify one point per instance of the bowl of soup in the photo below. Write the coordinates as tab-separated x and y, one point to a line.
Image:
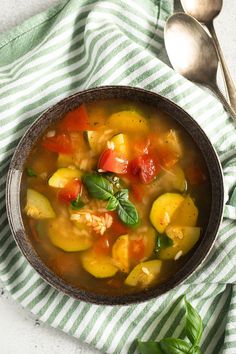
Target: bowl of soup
115	195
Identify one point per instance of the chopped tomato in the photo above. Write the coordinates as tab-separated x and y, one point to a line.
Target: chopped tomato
112	161
146	167
76	120
136	249
117	228
71	191
195	175
167	158
59	143
141	146
102	245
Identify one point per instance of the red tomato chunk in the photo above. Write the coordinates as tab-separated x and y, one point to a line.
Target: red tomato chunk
58	143
145	167
111	161
71	191
76	120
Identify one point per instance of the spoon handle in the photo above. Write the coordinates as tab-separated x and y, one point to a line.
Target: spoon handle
229	83
214	87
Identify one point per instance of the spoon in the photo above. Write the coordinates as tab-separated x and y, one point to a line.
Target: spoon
205	11
192	53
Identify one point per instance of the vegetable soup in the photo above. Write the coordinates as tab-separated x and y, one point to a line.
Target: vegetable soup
117	196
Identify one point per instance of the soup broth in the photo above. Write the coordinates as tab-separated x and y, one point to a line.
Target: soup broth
117	197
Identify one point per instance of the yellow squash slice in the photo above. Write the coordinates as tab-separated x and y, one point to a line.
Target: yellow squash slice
122	247
97	265
144	273
187	214
128	122
38	206
163	209
65	235
120	253
62	176
184	239
121	144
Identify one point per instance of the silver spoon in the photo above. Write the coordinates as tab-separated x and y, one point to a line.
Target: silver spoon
205	11
192	53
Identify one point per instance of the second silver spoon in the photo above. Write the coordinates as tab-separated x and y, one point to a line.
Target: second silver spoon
205	12
192	53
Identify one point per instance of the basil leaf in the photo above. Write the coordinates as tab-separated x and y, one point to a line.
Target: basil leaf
174	346
31	172
149	347
112	204
195	350
77	204
162	241
125	209
98	186
127	212
122	195
193	324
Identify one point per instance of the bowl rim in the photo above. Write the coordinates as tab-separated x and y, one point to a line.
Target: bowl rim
19	233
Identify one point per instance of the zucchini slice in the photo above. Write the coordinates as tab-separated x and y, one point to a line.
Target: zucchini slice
128	122
38	206
62	176
120	252
184	239
163	209
63	234
121	144
97	265
144	273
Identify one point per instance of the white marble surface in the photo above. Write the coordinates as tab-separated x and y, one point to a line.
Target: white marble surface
20	331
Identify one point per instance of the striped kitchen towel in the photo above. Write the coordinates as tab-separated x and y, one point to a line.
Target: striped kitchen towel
83	44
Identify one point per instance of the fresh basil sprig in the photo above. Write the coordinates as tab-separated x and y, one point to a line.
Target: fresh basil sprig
162	241
77	203
149	347
112	203
125	209
100	188
193	329
193	324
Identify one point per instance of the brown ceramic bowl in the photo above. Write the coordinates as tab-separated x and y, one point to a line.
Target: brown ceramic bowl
14	190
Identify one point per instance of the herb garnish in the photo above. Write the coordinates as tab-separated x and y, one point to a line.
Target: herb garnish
193	330
125	209
77	203
31	172
162	241
100	188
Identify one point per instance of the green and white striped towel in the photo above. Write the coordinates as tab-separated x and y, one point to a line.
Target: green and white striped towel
88	43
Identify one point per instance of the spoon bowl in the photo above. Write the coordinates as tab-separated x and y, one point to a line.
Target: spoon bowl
190	49
205	11
202	10
192	53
